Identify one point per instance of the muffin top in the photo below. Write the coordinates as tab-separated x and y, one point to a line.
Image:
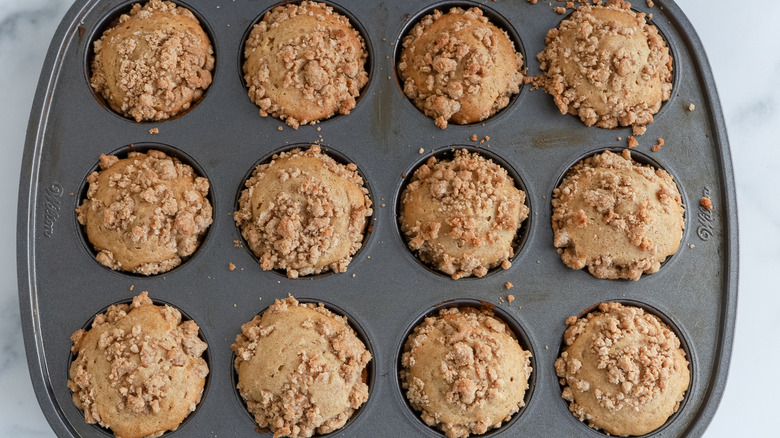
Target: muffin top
301	369
622	370
459	67
304	212
461	215
465	371
616	217
145	212
608	66
154	63
138	370
304	63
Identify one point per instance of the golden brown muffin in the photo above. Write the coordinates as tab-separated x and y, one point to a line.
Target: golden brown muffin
465	371
301	369
145	212
608	66
459	67
304	212
462	215
616	217
303	63
622	370
155	63
138	370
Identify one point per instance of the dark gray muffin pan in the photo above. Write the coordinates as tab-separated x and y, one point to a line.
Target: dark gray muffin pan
385	291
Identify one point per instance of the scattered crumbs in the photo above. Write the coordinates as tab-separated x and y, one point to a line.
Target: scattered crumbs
384	39
353	275
154	131
278	282
509	285
533	2
510	297
473	137
519	307
237	243
706	202
500	299
691	246
319	128
546	347
260	298
538	261
560	10
403	175
638	129
657	147
242	269
383	204
650	3
691	107
132	286
487	138
234	304
650	17
368	257
421	151
620	139
217	6
506	264
632	142
544	197
71	193
388	77
280	128
232	267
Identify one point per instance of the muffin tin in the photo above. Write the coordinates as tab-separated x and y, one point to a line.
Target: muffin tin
385	290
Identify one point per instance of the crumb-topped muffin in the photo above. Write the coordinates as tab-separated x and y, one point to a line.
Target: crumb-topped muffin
618	218
304	63
155	63
301	369
139	369
304	213
461	216
622	370
459	66
144	213
465	371
608	66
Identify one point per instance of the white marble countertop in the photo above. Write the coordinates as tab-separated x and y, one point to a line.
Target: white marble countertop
738	36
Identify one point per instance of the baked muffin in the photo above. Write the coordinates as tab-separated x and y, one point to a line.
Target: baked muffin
301	369
138	370
459	67
608	66
303	212
622	370
461	216
616	217
464	371
144	213
304	62
155	63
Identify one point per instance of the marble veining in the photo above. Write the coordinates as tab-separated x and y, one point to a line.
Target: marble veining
739	38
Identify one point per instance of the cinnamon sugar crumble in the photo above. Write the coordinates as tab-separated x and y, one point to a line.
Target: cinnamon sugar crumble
657	147
231	267
153	74
154	131
632	142
706	202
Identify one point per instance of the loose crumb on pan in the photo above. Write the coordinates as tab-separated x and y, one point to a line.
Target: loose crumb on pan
658	146
231	267
560	10
510	297
706	202
691	107
154	131
622	369
509	285
155	63
632	142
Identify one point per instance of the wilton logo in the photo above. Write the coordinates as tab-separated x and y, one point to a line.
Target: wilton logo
52	204
705	229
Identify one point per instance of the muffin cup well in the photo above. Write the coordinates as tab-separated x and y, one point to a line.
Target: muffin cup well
444	6
498	312
644	160
206	356
369	372
369	65
122	153
447	153
111	19
339	158
590	431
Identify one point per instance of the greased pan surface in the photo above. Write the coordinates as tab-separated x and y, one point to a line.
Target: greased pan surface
385	290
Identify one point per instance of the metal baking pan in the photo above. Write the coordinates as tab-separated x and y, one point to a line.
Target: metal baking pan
385	290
